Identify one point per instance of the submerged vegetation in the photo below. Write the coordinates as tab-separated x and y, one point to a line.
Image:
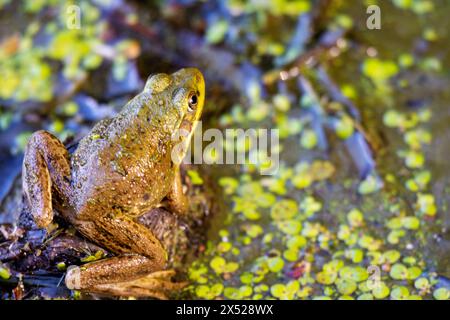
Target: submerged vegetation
359	206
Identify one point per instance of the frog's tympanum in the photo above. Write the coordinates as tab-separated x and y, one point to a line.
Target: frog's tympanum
123	168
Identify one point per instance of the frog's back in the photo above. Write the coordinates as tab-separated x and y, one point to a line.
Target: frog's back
122	162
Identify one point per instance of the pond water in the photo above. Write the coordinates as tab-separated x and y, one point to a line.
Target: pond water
359	206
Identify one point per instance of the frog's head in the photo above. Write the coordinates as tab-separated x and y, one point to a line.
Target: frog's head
180	97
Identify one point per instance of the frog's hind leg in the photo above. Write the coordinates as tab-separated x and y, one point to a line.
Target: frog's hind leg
46	168
136	271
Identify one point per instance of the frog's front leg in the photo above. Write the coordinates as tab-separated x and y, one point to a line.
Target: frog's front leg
135	271
46	169
178	201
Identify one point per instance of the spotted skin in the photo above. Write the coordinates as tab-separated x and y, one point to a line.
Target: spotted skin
123	168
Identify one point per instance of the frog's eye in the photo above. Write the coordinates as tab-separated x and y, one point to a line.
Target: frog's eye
192	101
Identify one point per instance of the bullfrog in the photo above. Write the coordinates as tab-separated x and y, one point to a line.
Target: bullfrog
124	167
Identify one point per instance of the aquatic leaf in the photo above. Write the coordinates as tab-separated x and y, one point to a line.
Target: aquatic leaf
219	265
224	246
417	137
93	257
232	293
395	223
414	159
4	272
441	294
344	127
400	293
253	230
365	296
426	204
406	60
61	266
308	139
303	178
355	218
369	243
414	273
411	223
311	230
395	235
344	232
285	292
419	182
197	273
399	272
284	209
333	266
326	278
275	264
217	31
422	284
422	7
393	119
321	170
356	274
296	242
265	200
258	112
291	254
356	255
207	292
410	260
379	70
346	286
309	206
391	256
369	185
281	102
195	177
290	227
381	291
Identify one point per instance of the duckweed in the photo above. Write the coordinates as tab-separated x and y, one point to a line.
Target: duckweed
355	218
308	139
426	205
195	177
220	265
400	293
414	159
275	264
381	291
284	209
344	128
346	286
285	292
290	227
4	273
441	294
399	272
369	185
209	292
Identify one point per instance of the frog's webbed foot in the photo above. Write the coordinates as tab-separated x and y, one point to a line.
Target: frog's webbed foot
155	285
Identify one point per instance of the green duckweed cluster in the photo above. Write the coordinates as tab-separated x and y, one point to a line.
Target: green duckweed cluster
277	241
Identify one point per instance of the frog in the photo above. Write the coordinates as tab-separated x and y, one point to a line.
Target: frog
124	167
